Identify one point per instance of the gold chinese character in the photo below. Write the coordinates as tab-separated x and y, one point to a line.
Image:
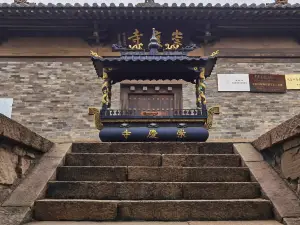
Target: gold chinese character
181	133
136	37
152	134
126	134
177	39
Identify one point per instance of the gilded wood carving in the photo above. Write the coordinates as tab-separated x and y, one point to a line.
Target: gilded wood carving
96	112
210	114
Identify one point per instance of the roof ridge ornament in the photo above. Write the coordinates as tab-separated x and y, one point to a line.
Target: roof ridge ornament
21	2
215	53
95	54
281	2
153	45
148	3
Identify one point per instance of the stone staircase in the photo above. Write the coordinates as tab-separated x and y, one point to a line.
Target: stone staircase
153	182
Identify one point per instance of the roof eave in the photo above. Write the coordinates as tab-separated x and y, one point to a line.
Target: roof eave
99	63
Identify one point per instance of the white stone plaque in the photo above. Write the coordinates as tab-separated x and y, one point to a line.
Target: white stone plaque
233	82
6	106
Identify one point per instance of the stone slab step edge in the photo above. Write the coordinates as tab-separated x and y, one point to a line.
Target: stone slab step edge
237	222
60	209
162	147
152	190
131	159
179	174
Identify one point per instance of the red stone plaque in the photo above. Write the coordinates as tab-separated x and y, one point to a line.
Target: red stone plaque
158	113
267	83
149	113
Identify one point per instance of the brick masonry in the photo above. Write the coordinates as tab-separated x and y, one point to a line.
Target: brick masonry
52	95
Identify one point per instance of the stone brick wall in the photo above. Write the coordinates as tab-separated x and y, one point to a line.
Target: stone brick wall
245	115
52	95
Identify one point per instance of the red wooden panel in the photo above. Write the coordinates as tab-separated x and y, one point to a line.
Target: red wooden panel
164	104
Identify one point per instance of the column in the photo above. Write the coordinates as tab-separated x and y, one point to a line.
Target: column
201	89
198	99
105	90
109	93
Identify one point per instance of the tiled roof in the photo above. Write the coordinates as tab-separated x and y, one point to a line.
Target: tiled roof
149	58
284	13
163	57
174	5
142	56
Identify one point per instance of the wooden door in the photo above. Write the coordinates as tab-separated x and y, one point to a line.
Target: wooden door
161	103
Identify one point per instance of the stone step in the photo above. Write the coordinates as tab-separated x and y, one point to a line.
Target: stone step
112	159
165	210
239	222
160	148
201	160
138	159
152	190
172	174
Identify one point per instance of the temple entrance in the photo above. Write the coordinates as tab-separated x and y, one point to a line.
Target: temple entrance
163	104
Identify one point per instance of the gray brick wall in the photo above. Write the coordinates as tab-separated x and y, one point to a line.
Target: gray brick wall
51	96
245	115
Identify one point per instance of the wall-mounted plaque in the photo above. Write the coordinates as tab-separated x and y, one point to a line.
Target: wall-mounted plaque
6	106
292	81
267	83
233	82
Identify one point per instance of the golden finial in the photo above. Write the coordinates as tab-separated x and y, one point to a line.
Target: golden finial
283	2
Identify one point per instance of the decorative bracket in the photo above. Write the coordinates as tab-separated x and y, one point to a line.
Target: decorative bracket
210	115
98	36
96	112
215	53
207	38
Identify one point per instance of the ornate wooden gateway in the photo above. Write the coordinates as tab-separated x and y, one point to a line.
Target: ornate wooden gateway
156	63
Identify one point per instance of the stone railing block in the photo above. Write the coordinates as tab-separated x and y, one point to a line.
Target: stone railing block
285	131
14	131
